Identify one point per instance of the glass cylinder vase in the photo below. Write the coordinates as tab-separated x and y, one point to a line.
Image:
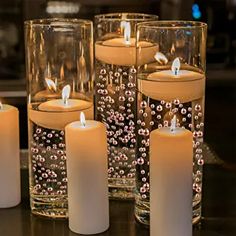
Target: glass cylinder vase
172	83
115	95
59	59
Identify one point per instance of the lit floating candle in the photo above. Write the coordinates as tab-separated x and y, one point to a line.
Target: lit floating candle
9	156
57	113
122	50
171	164
86	150
168	85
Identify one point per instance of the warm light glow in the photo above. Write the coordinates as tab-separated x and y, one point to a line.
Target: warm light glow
172	50
1	106
173	124
62	75
82	119
161	58
51	85
127	33
175	66
66	94
62	7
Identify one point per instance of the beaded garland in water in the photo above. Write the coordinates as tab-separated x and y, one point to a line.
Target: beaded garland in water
48	172
115	107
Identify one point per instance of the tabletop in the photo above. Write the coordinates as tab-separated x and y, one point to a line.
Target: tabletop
218	207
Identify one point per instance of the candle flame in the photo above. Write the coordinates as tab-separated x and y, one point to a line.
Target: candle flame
161	58
82	119
51	85
66	94
172	50
175	66
1	106
62	74
127	33
173	124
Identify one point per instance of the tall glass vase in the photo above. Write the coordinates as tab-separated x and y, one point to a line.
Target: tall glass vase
59	63
172	83
115	94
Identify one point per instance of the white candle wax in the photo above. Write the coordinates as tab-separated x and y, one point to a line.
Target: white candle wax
86	149
9	157
165	85
54	114
171	161
116	51
57	113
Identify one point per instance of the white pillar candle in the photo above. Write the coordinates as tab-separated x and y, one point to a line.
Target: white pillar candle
168	85
86	149
122	51
57	113
171	164
9	157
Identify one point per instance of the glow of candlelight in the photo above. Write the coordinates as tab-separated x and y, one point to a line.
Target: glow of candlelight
127	33
161	58
82	119
66	94
175	66
51	85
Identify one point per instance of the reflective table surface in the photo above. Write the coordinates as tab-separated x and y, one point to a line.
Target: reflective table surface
219	210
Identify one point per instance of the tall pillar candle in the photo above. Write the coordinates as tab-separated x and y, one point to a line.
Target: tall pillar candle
171	161
9	157
87	176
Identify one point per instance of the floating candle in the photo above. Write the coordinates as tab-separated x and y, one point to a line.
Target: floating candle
168	85
122	50
57	113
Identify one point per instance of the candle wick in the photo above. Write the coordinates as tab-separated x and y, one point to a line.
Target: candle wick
176	71
65	101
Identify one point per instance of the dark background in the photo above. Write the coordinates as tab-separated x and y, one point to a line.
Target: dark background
220	111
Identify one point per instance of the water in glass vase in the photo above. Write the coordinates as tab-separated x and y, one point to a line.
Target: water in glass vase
115	107
153	114
47	170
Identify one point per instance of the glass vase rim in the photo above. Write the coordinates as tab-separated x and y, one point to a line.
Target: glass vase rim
117	16
49	21
172	24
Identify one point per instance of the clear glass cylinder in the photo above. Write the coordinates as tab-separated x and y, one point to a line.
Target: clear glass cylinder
59	71
171	84
115	95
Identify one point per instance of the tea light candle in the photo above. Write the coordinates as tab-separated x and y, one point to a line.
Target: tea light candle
168	85
86	149
122	51
9	156
57	113
171	164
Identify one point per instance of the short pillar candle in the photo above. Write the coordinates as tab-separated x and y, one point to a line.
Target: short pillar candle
9	157
86	150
